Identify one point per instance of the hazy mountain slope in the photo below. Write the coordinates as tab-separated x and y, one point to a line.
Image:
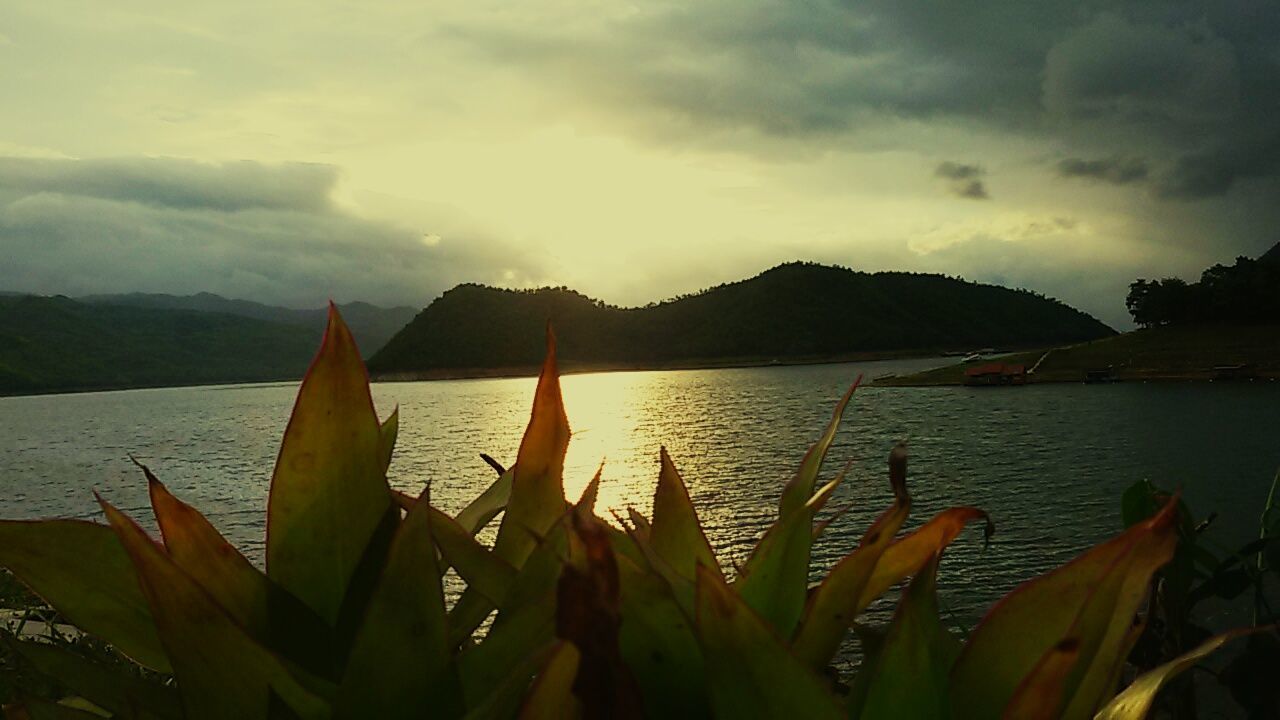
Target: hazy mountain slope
371	325
793	311
54	343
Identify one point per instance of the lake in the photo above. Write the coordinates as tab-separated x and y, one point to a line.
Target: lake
1048	462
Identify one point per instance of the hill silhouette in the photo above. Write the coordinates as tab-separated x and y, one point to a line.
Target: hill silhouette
371	325
793	312
52	344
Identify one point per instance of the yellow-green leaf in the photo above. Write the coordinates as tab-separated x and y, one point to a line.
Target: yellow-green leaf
800	488
488	574
329	491
200	550
81	570
400	665
659	646
835	604
487	504
537	487
551	697
387	438
220	671
110	687
909	553
910	673
774	580
1040	694
676	534
272	617
1092	599
1136	700
750	671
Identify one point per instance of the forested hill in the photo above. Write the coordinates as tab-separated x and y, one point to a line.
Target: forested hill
55	343
797	311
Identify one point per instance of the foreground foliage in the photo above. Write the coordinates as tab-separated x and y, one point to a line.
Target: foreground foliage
565	615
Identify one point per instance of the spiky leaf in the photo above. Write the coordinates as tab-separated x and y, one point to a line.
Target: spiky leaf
835	604
750	671
110	687
774	580
1136	700
676	534
1092	599
910	674
329	492
800	488
551	697
909	553
81	570
400	665
220	671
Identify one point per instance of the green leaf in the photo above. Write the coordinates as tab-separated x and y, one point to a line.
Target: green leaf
272	617
800	488
400	665
836	603
487	504
112	688
501	699
387	438
37	709
750	671
329	493
659	646
1092	599
1136	700
196	546
502	656
676	534
82	571
537	488
909	553
220	671
774	580
1041	693
482	570
910	675
551	697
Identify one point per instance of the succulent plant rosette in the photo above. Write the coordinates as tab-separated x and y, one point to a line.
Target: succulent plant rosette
566	614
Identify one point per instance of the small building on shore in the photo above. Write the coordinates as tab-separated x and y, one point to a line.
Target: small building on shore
996	374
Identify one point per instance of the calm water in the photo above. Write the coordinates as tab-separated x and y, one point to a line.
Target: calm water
1048	462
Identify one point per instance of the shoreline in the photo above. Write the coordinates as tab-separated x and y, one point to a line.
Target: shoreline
1230	354
518	372
590	368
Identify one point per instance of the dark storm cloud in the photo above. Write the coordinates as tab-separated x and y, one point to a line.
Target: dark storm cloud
964	179
270	233
1173	79
1118	171
167	182
1212	173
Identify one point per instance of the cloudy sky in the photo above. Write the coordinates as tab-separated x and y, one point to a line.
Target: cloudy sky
293	151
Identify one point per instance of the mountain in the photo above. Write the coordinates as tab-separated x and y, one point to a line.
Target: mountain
1271	256
793	312
54	343
371	325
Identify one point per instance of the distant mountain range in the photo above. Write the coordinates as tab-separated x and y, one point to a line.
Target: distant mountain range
52	344
371	325
793	312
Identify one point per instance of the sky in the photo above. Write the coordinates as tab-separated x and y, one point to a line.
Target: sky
290	152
